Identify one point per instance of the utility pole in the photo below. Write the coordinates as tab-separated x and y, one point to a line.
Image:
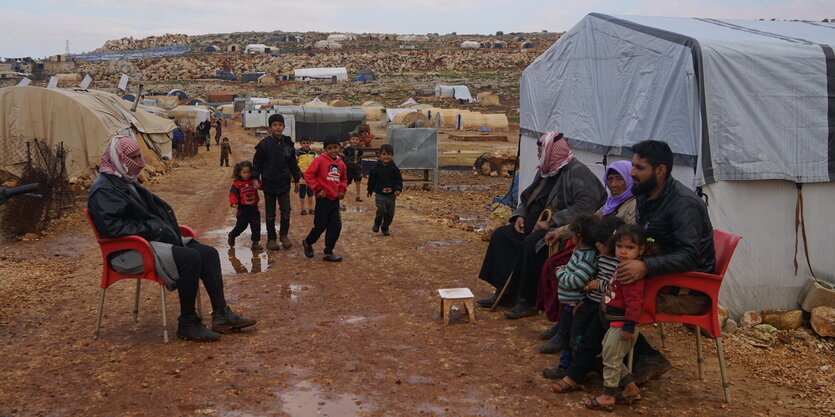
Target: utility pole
67	50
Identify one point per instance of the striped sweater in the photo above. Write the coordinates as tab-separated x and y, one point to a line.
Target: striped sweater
606	266
577	273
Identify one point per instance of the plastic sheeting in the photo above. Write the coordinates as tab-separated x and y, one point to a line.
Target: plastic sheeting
415	148
460	92
303	74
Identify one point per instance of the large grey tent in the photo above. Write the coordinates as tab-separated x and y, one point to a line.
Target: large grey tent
748	108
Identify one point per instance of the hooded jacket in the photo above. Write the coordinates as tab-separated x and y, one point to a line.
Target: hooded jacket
678	222
328	174
275	164
117	210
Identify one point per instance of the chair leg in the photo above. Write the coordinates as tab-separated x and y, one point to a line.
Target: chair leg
164	315
136	302
726	384
663	335
99	313
699	358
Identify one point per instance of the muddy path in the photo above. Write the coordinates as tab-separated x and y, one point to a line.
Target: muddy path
360	338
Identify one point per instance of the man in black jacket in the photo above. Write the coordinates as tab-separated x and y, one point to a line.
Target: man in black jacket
677	220
275	164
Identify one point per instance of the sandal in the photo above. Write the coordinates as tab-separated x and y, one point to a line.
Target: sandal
592	404
620	399
562	387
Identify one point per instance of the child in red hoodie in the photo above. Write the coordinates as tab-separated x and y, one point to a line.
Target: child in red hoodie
327	177
624	303
244	196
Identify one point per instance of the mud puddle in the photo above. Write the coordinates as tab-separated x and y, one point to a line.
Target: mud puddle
241	258
309	400
439	243
464	187
478	224
355	209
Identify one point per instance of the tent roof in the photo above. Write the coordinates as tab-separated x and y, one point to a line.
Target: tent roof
738	100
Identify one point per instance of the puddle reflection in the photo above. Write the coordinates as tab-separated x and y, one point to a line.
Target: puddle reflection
309	400
243	260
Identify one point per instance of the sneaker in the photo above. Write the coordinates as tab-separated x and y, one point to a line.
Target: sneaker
332	258
308	248
549	348
227	320
375	228
358	200
556	372
230	240
649	367
257	246
192	328
285	242
549	333
272	245
386	232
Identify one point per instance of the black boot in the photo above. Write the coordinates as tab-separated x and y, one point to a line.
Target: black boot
488	302
226	320
192	328
520	310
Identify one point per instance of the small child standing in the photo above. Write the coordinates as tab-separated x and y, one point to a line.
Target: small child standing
573	277
353	160
225	151
328	179
244	196
385	180
304	157
623	304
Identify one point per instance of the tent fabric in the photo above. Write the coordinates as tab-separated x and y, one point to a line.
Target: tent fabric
475	121
460	92
408	103
748	99
303	74
84	120
318	122
415	148
748	108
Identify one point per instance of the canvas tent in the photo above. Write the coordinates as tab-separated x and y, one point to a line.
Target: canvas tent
305	74
748	108
460	92
84	120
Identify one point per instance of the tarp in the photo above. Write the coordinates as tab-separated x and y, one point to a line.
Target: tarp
414	148
303	74
84	120
314	122
460	92
736	100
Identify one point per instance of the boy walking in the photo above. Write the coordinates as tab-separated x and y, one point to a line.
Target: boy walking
304	157
353	160
225	150
275	165
327	177
385	180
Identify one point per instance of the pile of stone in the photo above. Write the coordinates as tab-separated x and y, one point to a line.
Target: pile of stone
495	164
128	44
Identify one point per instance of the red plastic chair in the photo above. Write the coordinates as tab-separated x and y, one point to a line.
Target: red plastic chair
724	244
110	276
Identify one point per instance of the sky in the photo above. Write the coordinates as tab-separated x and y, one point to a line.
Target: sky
40	28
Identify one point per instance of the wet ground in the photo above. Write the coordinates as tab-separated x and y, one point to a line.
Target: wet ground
359	338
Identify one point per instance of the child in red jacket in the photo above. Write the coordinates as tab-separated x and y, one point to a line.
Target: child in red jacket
327	177
624	303
244	196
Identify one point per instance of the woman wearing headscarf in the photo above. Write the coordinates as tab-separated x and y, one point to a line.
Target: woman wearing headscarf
119	206
517	251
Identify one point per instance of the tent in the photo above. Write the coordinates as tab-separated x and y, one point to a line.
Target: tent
337	37
251	77
365	76
211	48
182	95
488	99
327	45
447	118
470	45
460	92
476	121
339	103
408	103
189	115
267	79
411	118
84	120
318	122
304	74
221	96
371	104
233	48
748	108
257	48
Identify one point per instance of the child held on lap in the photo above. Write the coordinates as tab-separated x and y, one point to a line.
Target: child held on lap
386	181
623	304
244	196
304	157
573	277
327	177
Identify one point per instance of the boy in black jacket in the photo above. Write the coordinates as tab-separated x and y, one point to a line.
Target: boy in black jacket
385	180
274	164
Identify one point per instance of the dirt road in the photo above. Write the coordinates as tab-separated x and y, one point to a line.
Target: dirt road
360	338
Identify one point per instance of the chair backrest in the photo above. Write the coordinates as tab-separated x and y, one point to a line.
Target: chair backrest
724	244
93	225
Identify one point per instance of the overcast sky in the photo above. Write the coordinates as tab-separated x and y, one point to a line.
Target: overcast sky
40	28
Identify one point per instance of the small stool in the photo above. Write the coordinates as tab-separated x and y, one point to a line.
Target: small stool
450	295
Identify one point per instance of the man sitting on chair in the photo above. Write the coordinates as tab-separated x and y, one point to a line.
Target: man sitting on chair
677	220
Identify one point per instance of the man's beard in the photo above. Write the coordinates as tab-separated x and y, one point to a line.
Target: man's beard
643	187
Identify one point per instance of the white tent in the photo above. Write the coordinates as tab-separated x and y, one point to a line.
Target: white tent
257	48
460	92
304	74
748	108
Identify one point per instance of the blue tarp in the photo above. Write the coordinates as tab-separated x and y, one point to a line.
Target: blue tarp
157	52
509	199
223	75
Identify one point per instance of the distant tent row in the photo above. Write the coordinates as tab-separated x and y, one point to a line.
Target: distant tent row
84	120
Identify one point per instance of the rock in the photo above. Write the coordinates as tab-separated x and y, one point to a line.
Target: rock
767	328
823	321
816	293
750	319
785	320
723	316
730	327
